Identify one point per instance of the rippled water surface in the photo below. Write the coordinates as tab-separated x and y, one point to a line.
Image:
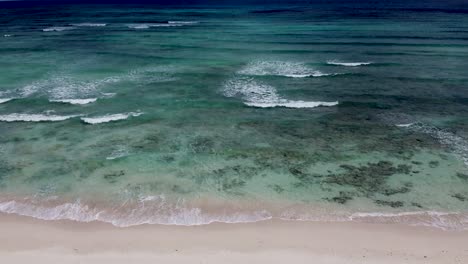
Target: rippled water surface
189	115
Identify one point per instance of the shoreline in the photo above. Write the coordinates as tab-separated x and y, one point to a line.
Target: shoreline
25	240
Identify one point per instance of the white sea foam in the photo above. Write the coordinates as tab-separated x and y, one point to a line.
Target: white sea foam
156	209
51	29
7	35
183	22
89	25
34	118
441	220
280	68
257	94
149	210
60	86
150	25
348	64
292	104
109	118
75	101
108	95
405	125
4	100
456	143
119	152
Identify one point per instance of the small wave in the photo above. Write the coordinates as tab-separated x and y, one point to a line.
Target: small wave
348	64
108	95
66	86
4	100
405	125
156	209
183	22
292	104
120	152
58	29
109	118
150	25
89	25
75	101
34	118
264	96
441	220
7	35
148	210
280	68
457	144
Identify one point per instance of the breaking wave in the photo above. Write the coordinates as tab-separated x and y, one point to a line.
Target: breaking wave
456	143
75	101
4	100
119	152
34	118
281	68
183	22
168	24
58	29
159	210
109	118
348	64
89	25
264	96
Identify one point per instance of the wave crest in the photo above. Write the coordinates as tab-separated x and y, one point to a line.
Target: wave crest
280	68
75	101
109	118
34	118
159	210
4	100
89	25
265	96
57	29
348	64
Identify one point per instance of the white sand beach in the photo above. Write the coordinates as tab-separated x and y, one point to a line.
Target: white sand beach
27	240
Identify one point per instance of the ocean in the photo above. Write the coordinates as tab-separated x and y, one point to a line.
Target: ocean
191	114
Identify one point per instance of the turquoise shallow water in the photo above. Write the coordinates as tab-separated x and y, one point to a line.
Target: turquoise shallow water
150	114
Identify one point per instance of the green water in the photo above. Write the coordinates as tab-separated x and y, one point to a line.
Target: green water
234	116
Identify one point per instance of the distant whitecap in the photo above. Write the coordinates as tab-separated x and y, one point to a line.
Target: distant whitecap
89	25
280	68
183	22
109	118
51	29
75	101
348	64
34	118
4	100
261	95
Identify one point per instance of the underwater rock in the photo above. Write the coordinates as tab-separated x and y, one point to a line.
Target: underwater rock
245	173
113	176
277	188
392	191
460	197
342	198
202	145
462	176
394	204
434	164
370	178
229	184
417	205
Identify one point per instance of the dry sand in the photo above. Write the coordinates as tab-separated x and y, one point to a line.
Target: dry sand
27	240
